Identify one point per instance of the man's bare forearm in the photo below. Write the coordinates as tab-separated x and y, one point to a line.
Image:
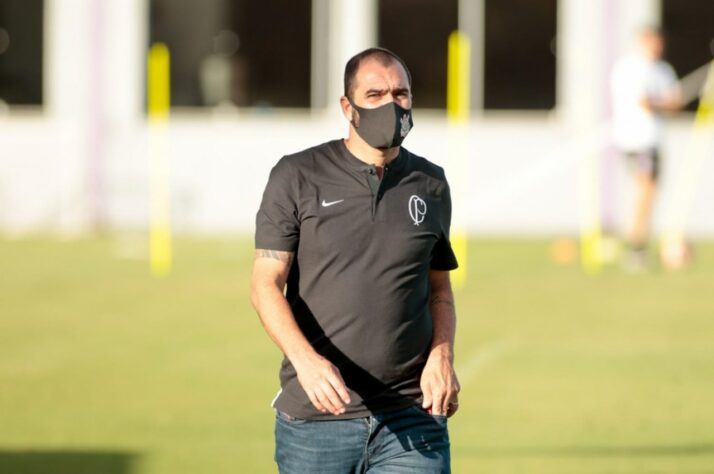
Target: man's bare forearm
670	103
272	307
320	379
439	384
279	322
444	323
443	314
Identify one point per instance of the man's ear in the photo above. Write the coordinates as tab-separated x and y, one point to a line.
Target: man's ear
346	108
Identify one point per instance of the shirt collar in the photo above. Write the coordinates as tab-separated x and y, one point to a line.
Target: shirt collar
353	162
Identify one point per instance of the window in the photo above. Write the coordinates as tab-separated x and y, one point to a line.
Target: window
519	70
21	52
418	31
240	52
689	31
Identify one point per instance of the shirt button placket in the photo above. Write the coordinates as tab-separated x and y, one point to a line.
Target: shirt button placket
373	182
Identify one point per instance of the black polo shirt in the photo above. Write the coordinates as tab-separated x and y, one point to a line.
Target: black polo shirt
359	286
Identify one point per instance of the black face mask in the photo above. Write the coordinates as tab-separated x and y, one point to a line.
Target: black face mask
383	127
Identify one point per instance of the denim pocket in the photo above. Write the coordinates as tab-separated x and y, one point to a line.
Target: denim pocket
441	419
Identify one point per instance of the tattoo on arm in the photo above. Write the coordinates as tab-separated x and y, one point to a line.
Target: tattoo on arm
285	257
441	300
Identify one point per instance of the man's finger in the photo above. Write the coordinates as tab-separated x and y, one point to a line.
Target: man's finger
426	403
315	402
437	399
453	398
333	399
324	398
448	397
338	384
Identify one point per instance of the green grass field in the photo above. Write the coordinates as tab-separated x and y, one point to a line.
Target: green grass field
106	370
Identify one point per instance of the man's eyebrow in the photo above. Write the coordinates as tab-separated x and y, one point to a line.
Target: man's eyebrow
396	90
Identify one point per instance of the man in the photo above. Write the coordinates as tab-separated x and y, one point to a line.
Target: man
358	229
643	88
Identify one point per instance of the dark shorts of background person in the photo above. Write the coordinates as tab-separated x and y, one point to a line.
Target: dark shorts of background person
645	162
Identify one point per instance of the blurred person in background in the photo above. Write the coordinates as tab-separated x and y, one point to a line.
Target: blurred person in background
644	87
358	229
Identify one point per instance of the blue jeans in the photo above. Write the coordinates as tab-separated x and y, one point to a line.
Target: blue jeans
402	441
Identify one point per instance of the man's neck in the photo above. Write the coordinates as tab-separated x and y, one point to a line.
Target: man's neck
371	156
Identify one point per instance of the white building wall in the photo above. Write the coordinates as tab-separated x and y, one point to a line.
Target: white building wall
523	166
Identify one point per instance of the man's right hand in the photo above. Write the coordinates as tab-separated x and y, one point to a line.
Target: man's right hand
318	377
323	384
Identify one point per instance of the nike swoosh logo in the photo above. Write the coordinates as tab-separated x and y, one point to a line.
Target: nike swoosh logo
331	203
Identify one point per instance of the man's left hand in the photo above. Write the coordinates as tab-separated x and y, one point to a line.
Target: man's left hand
440	385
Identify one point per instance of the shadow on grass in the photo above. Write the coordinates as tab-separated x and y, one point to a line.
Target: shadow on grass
595	451
66	462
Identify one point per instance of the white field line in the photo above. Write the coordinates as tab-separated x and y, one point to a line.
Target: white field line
484	357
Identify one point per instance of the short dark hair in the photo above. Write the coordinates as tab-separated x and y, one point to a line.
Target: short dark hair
383	55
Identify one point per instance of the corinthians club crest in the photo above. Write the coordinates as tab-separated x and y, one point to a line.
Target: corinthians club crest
404	121
417	209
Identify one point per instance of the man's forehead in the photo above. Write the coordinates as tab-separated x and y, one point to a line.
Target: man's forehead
375	73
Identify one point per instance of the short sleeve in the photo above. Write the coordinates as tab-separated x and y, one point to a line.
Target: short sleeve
442	256
669	75
277	226
669	78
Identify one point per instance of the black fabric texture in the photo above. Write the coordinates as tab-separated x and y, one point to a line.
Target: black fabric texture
647	162
359	286
385	126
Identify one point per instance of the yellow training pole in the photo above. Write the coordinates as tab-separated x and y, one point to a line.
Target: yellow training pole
589	207
458	94
158	94
458	108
